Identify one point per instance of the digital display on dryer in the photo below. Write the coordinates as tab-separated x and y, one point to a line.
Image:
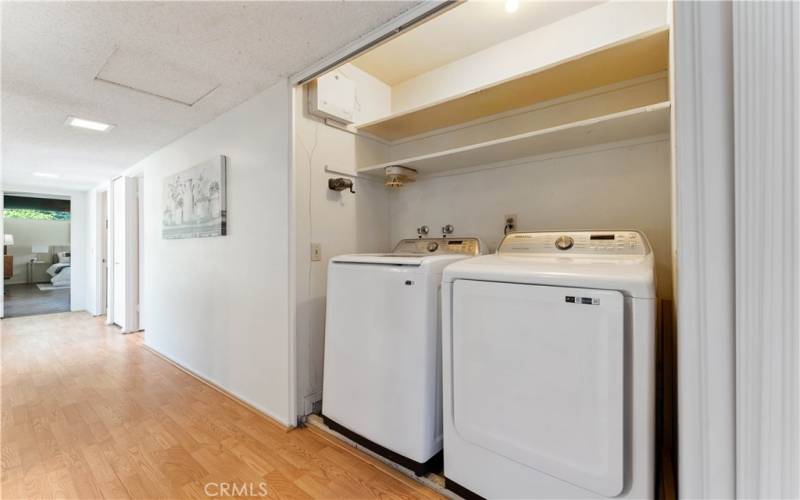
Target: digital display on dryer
601	237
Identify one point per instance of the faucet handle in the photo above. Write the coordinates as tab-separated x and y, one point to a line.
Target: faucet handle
448	229
423	230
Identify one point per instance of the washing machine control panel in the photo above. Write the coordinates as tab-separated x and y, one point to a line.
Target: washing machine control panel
590	243
438	246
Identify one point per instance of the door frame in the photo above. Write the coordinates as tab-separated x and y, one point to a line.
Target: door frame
99	308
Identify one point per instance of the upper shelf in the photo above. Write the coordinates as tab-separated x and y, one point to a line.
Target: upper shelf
627	60
630	124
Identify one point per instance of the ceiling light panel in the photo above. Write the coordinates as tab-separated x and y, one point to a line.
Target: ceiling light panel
88	124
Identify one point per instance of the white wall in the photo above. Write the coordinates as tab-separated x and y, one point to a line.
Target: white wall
79	247
219	306
92	220
341	222
609	187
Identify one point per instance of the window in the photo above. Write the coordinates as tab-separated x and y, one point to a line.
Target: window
33	208
35	214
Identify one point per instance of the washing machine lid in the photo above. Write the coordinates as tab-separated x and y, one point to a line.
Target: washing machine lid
416	252
607	260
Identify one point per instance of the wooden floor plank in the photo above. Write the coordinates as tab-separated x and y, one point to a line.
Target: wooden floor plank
89	413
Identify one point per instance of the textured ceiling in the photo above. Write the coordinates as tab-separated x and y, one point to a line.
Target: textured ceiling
52	51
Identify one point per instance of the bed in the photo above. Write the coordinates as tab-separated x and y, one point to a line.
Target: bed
61	270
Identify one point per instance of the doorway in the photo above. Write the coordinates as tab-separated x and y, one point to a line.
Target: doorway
36	254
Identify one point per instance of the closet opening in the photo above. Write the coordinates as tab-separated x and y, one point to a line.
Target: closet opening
504	128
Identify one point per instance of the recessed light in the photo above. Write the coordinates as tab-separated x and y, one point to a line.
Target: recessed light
49	175
88	124
512	6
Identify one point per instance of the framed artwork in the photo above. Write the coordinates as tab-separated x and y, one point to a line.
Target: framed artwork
194	204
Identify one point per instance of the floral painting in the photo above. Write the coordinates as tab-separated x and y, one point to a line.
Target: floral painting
194	201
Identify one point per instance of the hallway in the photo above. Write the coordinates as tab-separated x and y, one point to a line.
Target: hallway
90	413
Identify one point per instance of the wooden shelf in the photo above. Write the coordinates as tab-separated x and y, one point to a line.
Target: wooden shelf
630	124
626	60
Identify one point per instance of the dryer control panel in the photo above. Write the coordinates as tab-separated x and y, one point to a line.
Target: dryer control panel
590	243
438	246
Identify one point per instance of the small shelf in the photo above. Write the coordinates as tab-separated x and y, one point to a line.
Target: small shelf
629	59
630	124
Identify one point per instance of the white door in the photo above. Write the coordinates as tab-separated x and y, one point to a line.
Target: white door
537	377
118	267
103	279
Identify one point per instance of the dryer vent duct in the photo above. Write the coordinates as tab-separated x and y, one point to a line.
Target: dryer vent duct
397	176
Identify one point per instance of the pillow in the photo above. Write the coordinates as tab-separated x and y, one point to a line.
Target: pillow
64	257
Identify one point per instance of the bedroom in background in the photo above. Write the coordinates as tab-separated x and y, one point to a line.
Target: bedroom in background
36	254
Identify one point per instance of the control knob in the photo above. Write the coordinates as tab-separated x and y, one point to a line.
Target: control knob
433	246
564	242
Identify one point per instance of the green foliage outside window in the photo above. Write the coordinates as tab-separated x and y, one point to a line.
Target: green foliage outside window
29	213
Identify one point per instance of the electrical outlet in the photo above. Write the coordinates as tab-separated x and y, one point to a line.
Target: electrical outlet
316	252
511	223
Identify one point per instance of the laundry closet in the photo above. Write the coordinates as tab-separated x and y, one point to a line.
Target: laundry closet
490	117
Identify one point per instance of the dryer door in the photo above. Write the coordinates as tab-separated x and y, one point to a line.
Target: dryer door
537	377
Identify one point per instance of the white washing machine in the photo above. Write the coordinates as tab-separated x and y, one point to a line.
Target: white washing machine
549	369
382	374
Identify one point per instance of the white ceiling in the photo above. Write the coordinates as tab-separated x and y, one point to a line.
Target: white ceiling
459	32
52	51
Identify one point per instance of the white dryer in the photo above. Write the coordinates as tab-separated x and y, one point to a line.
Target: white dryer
548	368
382	374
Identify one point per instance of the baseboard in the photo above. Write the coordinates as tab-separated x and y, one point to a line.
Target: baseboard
205	380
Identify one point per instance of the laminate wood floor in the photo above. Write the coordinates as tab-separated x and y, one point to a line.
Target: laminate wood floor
89	413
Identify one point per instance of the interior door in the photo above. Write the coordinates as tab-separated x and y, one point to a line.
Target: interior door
118	240
103	279
538	378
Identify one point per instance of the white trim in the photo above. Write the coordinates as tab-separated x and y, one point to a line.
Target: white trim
767	100
381	34
210	381
110	254
101	295
704	236
293	389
